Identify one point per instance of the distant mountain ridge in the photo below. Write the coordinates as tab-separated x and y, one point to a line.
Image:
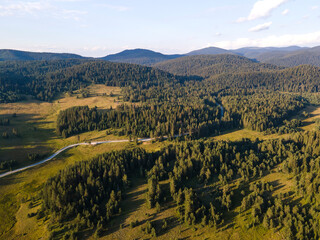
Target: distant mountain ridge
17	55
140	56
255	52
310	56
281	56
208	51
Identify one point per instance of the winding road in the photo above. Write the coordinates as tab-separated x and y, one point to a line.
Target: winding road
75	145
64	149
85	143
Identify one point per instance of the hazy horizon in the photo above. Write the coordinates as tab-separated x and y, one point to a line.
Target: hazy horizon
166	53
97	28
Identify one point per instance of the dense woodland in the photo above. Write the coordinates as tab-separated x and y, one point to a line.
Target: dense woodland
89	193
210	65
249	109
46	79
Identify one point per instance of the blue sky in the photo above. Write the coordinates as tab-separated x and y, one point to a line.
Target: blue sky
101	27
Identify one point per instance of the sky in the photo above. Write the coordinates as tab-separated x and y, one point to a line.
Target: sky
100	27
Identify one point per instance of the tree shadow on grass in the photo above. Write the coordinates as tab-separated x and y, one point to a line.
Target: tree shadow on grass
130	204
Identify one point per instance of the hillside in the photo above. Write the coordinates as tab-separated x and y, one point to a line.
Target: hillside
46	79
290	59
255	52
209	65
139	56
304	78
15	55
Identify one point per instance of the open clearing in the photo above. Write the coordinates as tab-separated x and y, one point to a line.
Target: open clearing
309	123
35	122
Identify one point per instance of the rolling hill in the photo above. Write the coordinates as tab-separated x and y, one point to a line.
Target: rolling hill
256	52
309	56
209	65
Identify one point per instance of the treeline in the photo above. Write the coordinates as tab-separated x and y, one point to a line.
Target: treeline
90	192
45	79
144	121
210	65
260	110
249	109
17	78
304	78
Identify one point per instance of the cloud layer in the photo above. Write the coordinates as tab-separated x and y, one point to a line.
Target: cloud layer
19	8
260	27
262	9
306	39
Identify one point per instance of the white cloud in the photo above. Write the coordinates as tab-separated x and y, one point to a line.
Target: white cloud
260	27
306	39
285	12
23	8
262	9
315	7
35	8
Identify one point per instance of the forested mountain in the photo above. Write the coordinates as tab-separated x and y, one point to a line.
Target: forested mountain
256	52
281	56
225	71
208	51
209	65
249	52
309	56
139	56
45	79
304	78
15	55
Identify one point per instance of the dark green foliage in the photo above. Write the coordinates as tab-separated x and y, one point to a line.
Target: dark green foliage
154	192
210	65
4	165
91	190
4	122
45	79
149	229
260	110
34	157
309	56
144	121
303	78
5	135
